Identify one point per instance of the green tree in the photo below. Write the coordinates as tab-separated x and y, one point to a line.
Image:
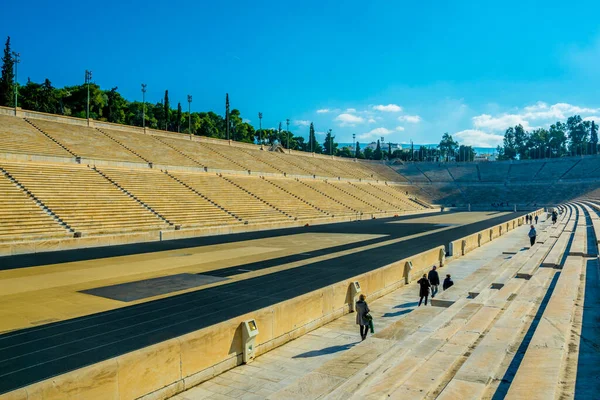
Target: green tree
49	103
115	106
509	150
577	134
345	152
447	146
358	153
313	145
466	153
594	138
377	154
298	143
521	142
368	153
74	101
557	139
167	111
31	96
179	117
329	144
211	125
7	85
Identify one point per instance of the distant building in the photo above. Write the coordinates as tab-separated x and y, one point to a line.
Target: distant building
485	157
384	146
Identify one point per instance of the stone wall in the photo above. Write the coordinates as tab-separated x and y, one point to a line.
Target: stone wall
462	246
167	368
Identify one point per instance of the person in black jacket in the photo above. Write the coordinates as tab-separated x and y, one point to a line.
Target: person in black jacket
447	282
434	281
423	289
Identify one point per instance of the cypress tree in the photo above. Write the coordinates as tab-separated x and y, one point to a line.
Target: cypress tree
167	110
179	115
227	115
378	155
7	85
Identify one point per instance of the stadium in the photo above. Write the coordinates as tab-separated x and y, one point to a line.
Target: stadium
299	201
132	257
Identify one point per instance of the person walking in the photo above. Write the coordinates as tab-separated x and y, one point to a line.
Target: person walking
434	281
447	282
424	286
362	316
536	219
532	234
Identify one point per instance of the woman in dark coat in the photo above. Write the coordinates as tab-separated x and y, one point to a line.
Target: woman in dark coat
423	289
362	309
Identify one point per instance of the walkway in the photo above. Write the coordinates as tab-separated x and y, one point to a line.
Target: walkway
306	368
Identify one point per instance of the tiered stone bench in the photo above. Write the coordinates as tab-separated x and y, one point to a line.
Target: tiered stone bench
85	200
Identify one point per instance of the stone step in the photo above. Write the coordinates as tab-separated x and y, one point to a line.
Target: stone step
484	364
538	376
463	287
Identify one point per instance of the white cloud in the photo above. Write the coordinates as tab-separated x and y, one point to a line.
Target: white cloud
302	122
499	123
558	111
323	111
540	112
375	133
246	120
477	138
371	120
400	128
388	108
350	110
594	118
320	133
413	119
346	119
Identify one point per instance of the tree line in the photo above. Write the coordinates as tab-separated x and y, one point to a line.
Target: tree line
575	137
571	138
110	106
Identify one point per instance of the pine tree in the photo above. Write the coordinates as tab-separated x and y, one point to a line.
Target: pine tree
594	137
378	155
7	85
179	115
167	110
227	115
329	145
311	138
357	153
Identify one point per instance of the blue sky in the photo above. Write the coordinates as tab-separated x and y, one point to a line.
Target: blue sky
401	70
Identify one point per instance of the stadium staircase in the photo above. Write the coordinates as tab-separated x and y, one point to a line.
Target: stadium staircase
24	217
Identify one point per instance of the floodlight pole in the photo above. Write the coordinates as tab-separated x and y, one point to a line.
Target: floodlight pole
260	115
88	79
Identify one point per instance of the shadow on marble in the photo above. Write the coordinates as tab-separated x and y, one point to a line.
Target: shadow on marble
326	350
407	305
397	313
